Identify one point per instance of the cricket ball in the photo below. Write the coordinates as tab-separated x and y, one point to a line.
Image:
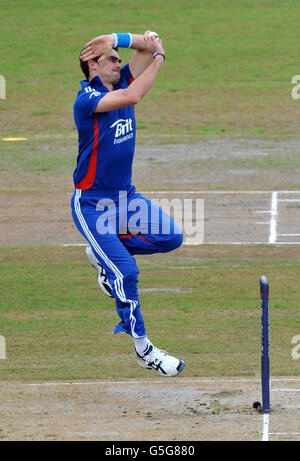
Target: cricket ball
257	405
154	34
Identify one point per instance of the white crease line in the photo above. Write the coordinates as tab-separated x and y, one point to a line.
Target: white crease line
235	243
165	380
289	200
273	219
287	243
289	235
265	431
202	243
284	433
131	382
74	244
285	390
85	244
219	192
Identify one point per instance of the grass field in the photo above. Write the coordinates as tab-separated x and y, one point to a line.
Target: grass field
228	70
58	325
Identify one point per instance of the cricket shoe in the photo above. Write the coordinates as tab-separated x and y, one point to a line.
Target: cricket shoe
160	361
102	277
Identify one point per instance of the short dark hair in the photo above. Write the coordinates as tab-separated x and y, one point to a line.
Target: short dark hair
85	67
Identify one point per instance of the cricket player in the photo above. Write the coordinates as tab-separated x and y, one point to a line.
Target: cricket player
118	222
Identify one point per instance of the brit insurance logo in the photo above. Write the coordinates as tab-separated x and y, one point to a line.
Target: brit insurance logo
123	130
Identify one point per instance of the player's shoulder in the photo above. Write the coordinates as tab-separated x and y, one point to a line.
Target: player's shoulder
88	97
87	92
85	95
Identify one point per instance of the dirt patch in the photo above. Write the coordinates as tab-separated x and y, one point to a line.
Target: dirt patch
164	409
35	208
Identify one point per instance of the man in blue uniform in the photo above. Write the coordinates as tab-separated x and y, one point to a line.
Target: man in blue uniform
116	221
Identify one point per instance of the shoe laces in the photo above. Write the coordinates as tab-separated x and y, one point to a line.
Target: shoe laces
155	356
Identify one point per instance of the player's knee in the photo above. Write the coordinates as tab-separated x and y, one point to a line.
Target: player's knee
175	240
127	286
130	272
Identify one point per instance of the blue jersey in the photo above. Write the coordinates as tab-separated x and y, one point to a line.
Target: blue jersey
106	140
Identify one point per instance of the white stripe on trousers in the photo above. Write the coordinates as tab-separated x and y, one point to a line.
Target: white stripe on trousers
119	277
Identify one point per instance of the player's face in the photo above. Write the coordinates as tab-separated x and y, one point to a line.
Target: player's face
109	69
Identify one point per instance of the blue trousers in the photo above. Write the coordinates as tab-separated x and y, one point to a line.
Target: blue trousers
118	225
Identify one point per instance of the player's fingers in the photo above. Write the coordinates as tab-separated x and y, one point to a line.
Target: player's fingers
147	38
102	57
152	39
87	44
86	51
87	57
89	54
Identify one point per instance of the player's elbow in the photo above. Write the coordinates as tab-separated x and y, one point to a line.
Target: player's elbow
134	97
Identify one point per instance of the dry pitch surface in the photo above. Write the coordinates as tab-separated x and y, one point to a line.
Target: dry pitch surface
172	409
166	409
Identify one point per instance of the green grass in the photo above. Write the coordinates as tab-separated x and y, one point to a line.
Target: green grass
40	155
48	156
287	162
228	69
58	325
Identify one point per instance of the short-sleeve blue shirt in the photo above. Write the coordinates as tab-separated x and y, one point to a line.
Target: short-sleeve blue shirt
106	140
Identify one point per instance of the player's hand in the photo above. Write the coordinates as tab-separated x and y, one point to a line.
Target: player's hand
99	46
153	42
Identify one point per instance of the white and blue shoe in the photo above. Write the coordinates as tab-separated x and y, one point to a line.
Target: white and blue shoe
101	277
160	361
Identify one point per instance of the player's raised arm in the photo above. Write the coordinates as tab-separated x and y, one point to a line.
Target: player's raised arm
140	86
142	57
103	44
98	46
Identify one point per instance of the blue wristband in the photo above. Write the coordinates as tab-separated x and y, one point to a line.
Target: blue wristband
122	40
